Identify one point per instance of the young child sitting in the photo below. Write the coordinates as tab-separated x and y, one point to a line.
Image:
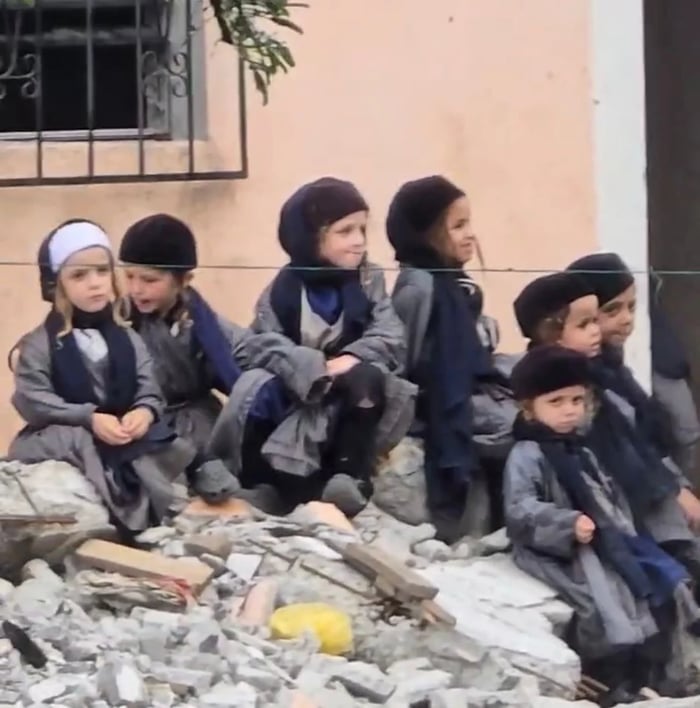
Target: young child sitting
84	384
668	419
195	351
563	309
461	416
572	527
328	331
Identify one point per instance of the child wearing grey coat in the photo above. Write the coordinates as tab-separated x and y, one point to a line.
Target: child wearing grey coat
573	528
84	385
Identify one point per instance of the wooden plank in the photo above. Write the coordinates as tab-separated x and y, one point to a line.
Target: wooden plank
440	614
372	561
36	519
231	508
133	562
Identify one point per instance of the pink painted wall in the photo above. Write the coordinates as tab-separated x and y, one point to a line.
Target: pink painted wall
493	93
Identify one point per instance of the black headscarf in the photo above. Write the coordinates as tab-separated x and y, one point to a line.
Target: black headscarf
457	358
630	454
545	296
303	215
160	241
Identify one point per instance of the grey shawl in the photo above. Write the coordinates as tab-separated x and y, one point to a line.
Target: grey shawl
676	399
295	445
185	380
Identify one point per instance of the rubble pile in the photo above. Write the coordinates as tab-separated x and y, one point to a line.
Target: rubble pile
190	616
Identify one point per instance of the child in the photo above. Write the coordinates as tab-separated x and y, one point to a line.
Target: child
84	385
194	350
573	528
450	347
670	417
563	309
329	332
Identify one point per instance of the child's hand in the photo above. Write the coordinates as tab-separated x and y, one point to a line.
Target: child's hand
108	429
137	422
341	364
691	508
584	528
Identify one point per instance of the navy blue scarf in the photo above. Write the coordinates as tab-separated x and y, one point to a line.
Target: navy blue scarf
457	361
288	289
71	381
630	457
612	374
648	571
207	338
215	346
70	376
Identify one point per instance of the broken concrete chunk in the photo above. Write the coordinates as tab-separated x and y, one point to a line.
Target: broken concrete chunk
365	681
215	544
133	562
260	679
244	565
182	681
156	535
399	487
121	684
421	685
46	691
224	695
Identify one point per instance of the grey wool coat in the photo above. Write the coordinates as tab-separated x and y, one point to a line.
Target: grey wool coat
494	407
57	430
676	399
185	378
295	446
667	521
540	523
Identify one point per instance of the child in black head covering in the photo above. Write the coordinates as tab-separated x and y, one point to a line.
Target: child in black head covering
670	418
562	308
195	351
450	349
573	528
328	330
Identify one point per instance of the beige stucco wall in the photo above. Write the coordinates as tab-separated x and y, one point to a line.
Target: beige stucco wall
493	93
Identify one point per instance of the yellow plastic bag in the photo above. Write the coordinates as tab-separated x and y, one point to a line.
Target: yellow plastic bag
331	627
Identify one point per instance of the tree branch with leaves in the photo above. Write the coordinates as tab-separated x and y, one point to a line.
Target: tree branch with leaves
248	25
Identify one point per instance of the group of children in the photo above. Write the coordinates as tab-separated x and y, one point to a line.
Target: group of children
595	505
333	371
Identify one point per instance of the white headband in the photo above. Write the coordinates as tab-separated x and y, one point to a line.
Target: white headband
71	238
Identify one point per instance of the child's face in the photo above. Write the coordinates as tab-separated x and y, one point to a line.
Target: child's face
563	411
617	317
152	290
344	242
581	331
458	222
86	279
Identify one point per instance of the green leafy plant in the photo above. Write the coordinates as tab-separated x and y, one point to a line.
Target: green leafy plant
249	26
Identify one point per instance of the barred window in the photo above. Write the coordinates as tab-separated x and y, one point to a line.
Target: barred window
105	70
109	66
